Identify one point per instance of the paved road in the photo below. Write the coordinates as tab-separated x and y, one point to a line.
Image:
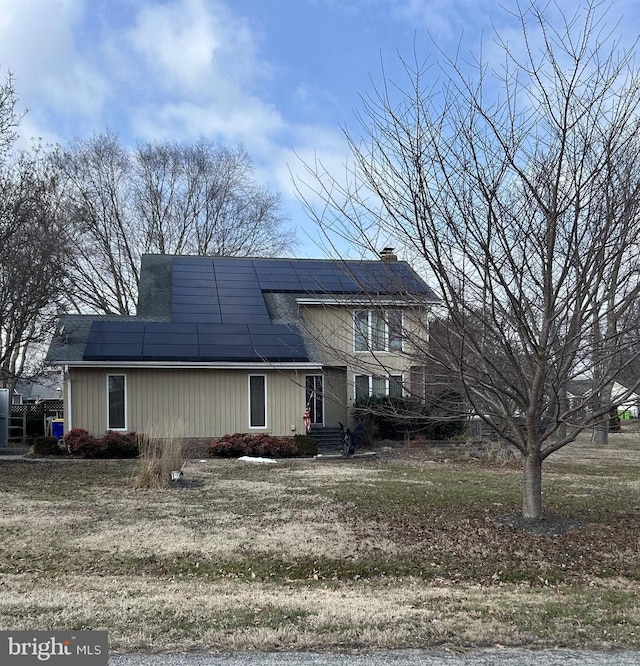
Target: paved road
506	657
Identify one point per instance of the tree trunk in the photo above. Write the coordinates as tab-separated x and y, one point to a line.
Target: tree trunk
600	434
563	408
532	499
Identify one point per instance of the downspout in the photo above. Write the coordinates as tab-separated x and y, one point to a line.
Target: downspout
69	412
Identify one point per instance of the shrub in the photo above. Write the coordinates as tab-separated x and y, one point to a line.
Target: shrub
305	445
241	444
229	446
46	446
80	443
438	417
119	445
275	447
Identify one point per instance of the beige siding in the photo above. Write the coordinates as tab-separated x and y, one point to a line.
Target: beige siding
335	396
331	328
210	403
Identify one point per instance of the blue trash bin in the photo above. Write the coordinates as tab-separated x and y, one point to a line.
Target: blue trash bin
57	428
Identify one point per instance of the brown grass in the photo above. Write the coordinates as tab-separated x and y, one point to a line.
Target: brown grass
357	554
160	455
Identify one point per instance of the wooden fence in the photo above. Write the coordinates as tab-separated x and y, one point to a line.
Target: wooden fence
33	420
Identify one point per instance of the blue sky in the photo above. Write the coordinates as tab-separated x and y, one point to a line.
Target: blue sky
279	76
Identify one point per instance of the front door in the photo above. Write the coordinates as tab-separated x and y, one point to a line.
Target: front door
315	398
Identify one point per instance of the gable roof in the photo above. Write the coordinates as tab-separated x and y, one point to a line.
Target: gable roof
225	309
43	387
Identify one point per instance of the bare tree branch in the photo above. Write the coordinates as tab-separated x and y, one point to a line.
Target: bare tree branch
516	191
165	198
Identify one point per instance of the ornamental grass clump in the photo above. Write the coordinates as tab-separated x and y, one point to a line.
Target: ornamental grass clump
160	455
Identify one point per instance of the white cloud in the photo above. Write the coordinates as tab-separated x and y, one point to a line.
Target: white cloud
38	44
179	43
199	73
253	123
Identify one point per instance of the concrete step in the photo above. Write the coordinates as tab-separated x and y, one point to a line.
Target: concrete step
327	439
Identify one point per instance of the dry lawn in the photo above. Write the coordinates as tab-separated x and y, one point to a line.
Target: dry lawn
342	555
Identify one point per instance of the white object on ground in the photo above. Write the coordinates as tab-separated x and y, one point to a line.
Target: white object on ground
253	459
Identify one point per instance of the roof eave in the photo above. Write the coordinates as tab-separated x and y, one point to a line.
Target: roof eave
210	365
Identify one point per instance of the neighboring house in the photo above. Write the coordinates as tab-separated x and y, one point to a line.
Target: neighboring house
45	387
629	400
229	345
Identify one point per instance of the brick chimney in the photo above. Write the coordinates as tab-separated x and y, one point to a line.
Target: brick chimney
387	255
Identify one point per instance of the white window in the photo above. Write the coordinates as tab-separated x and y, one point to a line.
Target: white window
377	330
116	402
257	401
376	385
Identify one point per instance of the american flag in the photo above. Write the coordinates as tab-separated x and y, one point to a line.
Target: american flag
307	420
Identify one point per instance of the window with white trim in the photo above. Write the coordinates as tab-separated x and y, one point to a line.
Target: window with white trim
257	401
116	402
377	330
376	385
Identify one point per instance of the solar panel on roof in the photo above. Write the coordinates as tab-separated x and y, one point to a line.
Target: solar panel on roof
219	304
195	308
170	327
240	281
244	309
279	285
273	328
230	301
170	352
191	271
178	293
170	339
271	264
245	269
197	299
230	263
112	351
227	352
228	289
192	282
191	261
198	318
280	273
223	339
245	319
223	329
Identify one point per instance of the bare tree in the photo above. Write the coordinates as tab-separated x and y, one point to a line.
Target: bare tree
104	234
517	192
32	263
166	198
9	119
202	199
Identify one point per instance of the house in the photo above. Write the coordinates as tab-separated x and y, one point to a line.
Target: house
44	388
628	401
229	345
